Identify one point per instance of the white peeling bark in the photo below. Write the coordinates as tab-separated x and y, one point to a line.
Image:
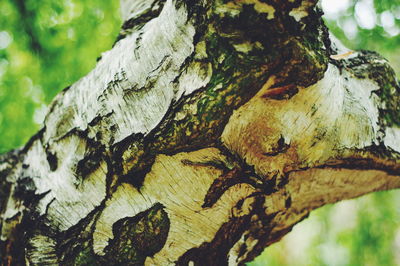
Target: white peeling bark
135	90
201	137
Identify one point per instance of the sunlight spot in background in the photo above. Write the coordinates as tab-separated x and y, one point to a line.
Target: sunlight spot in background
388	23
333	9
311	231
365	17
387	19
300	240
348	209
27	85
35	92
365	14
333	254
5	40
343	216
349	26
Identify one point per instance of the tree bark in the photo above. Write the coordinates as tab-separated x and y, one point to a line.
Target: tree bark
204	135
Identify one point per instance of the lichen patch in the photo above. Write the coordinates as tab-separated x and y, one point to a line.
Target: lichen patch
234	8
302	11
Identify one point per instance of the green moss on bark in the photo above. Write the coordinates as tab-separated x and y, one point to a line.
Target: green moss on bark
241	52
86	256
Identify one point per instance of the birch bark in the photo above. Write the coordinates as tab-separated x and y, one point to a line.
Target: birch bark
204	135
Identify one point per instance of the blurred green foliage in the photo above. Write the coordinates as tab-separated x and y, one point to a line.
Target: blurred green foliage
368	24
47	45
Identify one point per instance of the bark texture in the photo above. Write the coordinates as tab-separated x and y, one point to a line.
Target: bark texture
201	137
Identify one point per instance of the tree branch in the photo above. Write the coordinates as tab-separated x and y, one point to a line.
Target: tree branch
201	137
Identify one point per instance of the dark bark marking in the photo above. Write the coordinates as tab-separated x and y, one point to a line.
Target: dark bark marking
10	160
90	162
222	184
216	251
75	246
52	160
281	148
138	237
236	171
11	252
288	202
25	189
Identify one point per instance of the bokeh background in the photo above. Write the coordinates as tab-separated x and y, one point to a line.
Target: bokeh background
49	44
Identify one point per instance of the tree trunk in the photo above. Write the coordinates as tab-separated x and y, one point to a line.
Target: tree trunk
200	138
